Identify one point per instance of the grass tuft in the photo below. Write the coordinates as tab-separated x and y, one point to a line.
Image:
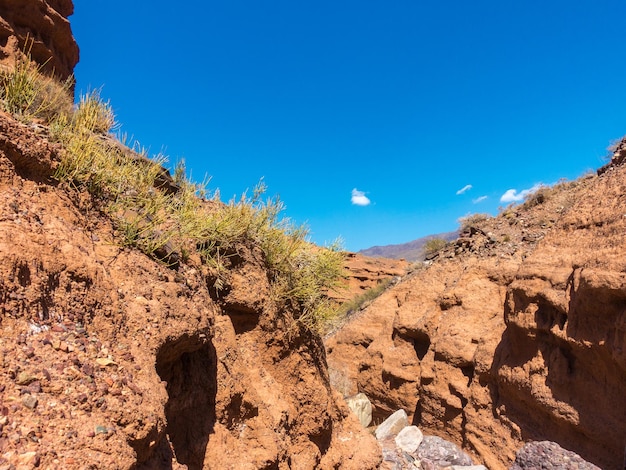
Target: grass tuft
28	93
171	223
473	220
434	245
94	115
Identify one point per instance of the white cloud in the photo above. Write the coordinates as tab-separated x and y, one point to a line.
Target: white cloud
464	189
359	198
479	199
513	196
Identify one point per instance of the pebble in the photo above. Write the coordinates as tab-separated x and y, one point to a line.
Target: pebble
30	402
101	430
30	459
35	387
82	398
24	378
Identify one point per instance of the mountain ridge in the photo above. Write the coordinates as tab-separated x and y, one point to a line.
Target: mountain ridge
410	251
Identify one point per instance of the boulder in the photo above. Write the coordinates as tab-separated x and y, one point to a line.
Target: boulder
361	407
392	425
409	439
442	452
549	456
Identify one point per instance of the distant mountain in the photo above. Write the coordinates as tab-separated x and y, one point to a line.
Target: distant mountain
411	251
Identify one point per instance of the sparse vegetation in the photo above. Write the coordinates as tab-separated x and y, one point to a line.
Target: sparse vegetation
434	245
94	115
472	220
614	146
166	223
28	93
537	197
366	297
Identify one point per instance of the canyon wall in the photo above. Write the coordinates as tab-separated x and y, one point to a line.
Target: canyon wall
516	332
114	360
42	28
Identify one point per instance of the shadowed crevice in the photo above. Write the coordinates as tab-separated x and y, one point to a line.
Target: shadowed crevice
189	366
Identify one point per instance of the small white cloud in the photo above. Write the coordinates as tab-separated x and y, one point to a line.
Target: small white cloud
479	199
464	189
359	198
513	196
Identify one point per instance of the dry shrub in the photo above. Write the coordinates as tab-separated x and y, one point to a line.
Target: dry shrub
434	245
473	220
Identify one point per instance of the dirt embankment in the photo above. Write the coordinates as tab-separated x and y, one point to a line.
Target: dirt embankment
114	360
516	332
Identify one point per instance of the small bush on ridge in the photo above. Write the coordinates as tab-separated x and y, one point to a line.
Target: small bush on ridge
434	245
472	220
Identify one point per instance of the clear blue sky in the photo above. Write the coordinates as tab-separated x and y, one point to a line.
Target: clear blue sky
400	104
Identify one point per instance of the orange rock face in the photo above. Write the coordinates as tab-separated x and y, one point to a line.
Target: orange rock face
113	360
364	272
516	332
42	27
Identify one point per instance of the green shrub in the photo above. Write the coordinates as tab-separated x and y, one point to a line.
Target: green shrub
434	245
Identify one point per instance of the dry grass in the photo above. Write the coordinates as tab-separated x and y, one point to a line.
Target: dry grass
473	220
434	245
28	93
168	225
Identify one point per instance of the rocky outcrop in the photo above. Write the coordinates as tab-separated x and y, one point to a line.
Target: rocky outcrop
618	156
549	456
405	447
515	332
113	360
40	27
362	273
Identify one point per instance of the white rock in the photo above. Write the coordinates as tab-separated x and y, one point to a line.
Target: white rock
467	467
362	407
409	439
392	425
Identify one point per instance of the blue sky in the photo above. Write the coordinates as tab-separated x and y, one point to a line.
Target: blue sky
379	122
